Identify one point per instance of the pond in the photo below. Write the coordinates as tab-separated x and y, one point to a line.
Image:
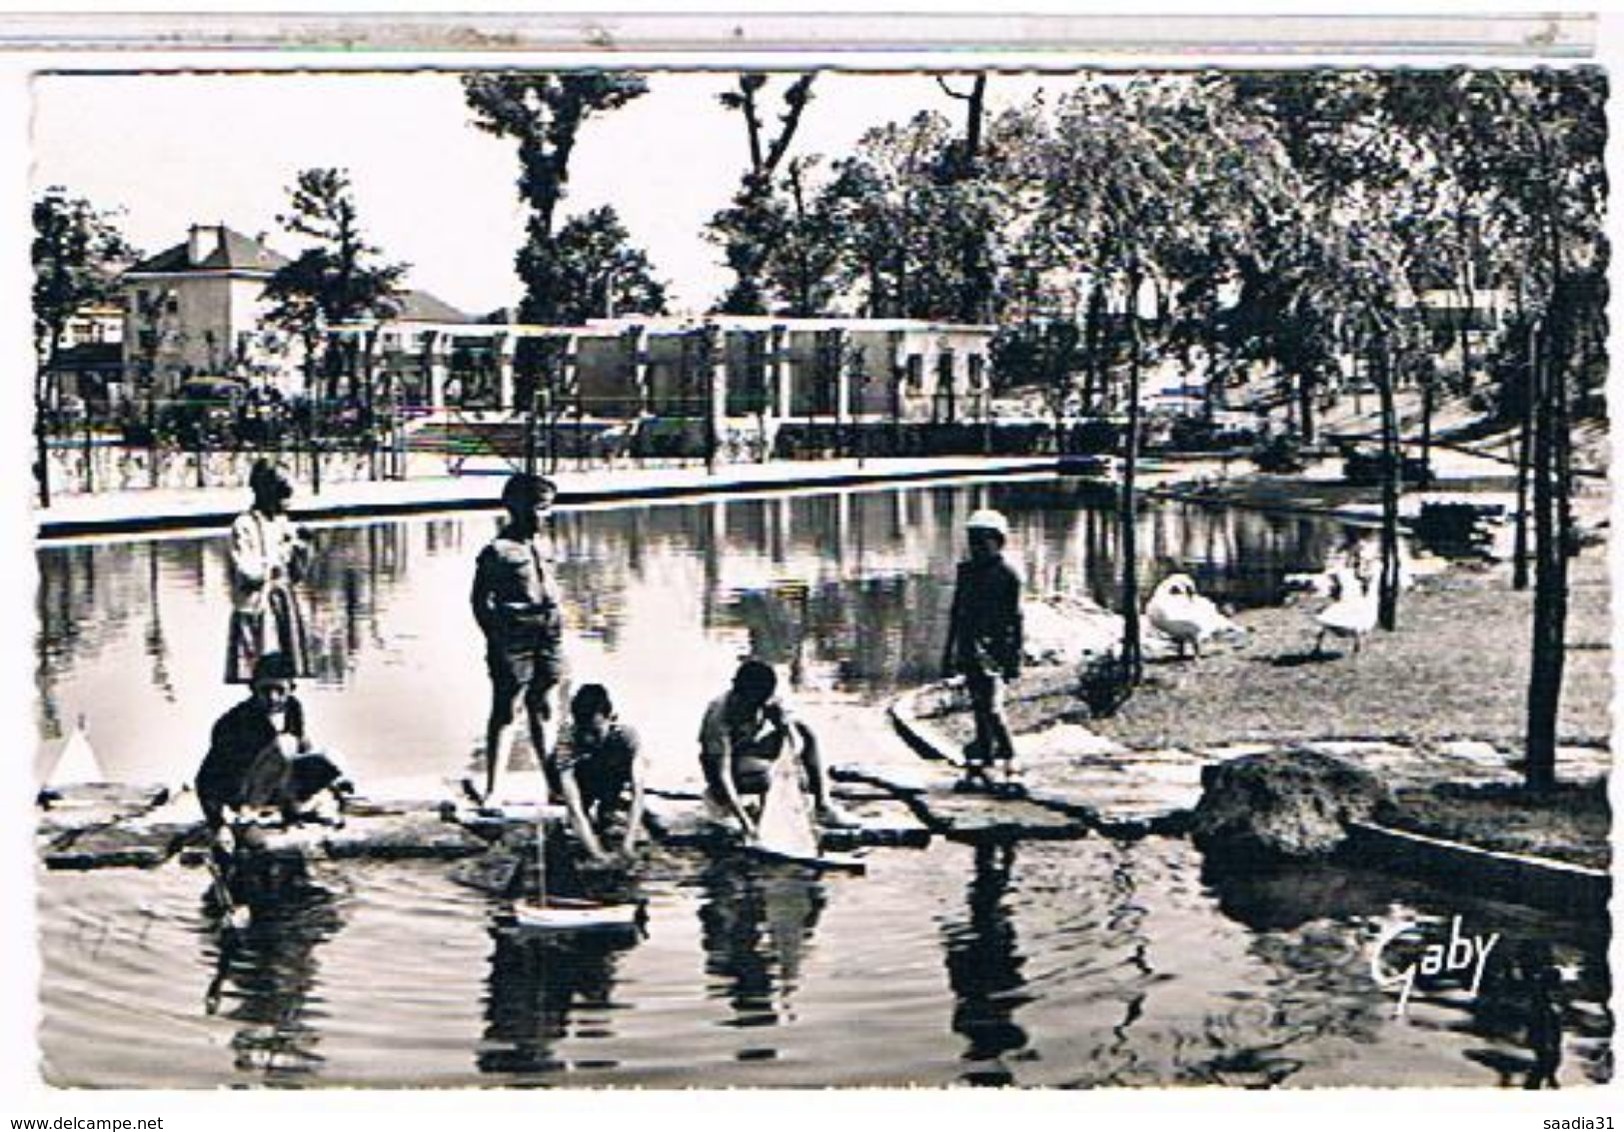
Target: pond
1082	962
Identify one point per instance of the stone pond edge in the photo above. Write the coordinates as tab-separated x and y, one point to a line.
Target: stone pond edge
1543	882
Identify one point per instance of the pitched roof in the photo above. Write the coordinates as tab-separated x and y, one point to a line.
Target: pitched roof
420	306
231	252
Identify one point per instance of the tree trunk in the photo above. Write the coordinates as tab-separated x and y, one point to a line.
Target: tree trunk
42	447
1392	471
1428	385
1525	438
42	400
313	386
1306	388
1467	318
1093	332
1545	668
1128	512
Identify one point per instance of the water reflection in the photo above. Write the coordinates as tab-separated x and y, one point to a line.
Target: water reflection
984	969
267	978
756	928
849	590
1316	926
543	990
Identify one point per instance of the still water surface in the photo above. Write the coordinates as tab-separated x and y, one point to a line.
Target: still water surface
1070	963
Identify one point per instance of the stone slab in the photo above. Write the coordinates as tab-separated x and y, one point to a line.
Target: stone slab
884	823
979	816
493	872
76	809
402	837
676	820
112	846
178	817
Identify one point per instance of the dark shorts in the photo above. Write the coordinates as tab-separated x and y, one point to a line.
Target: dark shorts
272	779
532	671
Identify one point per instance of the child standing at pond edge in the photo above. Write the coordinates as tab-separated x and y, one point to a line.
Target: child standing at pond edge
984	642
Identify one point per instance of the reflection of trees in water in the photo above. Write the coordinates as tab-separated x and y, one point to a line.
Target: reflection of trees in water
852	582
537	985
157	646
86	598
594	573
984	969
1319	988
354	574
756	926
884	626
1314	927
265	977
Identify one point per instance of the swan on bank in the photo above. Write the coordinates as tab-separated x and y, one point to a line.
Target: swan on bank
1352	612
1182	615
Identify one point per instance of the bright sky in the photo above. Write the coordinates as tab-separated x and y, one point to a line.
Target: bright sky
176	149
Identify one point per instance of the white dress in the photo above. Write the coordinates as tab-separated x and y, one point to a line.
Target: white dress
267	558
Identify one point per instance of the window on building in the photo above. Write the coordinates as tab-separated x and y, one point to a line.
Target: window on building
171	303
978	371
916	371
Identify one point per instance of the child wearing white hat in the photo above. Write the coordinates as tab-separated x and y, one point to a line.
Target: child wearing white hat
984	641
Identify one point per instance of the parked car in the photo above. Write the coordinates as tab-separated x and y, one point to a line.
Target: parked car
202	411
1364	467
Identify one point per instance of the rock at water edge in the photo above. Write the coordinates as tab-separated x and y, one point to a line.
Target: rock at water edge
1293	803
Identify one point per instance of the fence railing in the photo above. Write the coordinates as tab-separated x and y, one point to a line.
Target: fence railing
89	461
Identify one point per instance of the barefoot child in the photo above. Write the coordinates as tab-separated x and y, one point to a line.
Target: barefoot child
600	770
745	732
984	641
515	600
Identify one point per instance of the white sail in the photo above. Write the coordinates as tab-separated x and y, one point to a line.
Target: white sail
77	763
786	824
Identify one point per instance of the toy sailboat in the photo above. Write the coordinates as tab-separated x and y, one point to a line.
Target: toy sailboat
77	764
549	913
785	832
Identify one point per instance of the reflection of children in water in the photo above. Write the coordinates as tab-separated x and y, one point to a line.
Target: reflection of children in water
756	927
536	985
984	969
266	975
1541	983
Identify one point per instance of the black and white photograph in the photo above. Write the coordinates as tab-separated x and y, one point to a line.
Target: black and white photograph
745	576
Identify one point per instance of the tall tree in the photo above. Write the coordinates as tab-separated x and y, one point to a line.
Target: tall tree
77	250
751	226
1121	221
544	112
975	277
802	268
601	273
1557	122
336	281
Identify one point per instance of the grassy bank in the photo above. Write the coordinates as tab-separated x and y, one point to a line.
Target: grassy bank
1571	823
1456	668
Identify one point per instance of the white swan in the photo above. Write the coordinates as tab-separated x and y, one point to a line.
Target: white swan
1185	617
1352	612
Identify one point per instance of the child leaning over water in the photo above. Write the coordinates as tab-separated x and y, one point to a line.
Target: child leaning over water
984	640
